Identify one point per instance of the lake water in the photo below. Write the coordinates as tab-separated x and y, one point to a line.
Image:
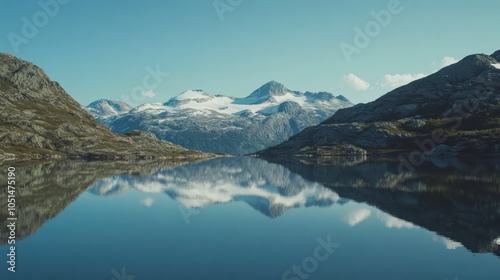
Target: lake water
247	218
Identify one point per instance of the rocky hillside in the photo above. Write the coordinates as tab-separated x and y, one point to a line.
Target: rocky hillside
39	119
217	123
453	112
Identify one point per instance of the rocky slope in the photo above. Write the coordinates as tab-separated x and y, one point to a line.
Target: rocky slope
39	119
217	123
453	112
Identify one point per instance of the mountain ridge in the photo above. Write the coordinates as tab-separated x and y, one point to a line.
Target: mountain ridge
224	124
461	102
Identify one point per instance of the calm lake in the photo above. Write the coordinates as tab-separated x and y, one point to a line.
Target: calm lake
248	218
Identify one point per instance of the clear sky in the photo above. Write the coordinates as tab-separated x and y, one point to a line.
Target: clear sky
103	48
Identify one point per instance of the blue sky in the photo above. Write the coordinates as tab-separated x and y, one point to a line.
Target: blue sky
107	49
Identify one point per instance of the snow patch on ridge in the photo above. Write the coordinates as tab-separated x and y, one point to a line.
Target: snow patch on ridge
148	106
192	95
204	102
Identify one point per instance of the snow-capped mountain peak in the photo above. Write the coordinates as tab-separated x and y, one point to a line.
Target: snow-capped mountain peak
219	123
196	94
106	108
189	96
267	92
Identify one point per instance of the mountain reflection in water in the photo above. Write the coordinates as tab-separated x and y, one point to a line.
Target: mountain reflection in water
272	210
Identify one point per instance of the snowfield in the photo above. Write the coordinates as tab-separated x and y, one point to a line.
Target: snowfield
216	123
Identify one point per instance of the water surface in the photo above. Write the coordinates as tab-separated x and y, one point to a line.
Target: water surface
246	218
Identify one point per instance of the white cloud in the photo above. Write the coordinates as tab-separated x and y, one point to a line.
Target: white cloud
448	243
357	216
451	244
393	222
448	60
397	80
149	94
356	82
148	202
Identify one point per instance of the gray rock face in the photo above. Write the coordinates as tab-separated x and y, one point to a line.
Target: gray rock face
459	105
268	92
496	55
39	119
223	124
106	108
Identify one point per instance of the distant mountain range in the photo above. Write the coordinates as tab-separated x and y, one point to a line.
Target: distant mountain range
40	120
217	123
453	112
